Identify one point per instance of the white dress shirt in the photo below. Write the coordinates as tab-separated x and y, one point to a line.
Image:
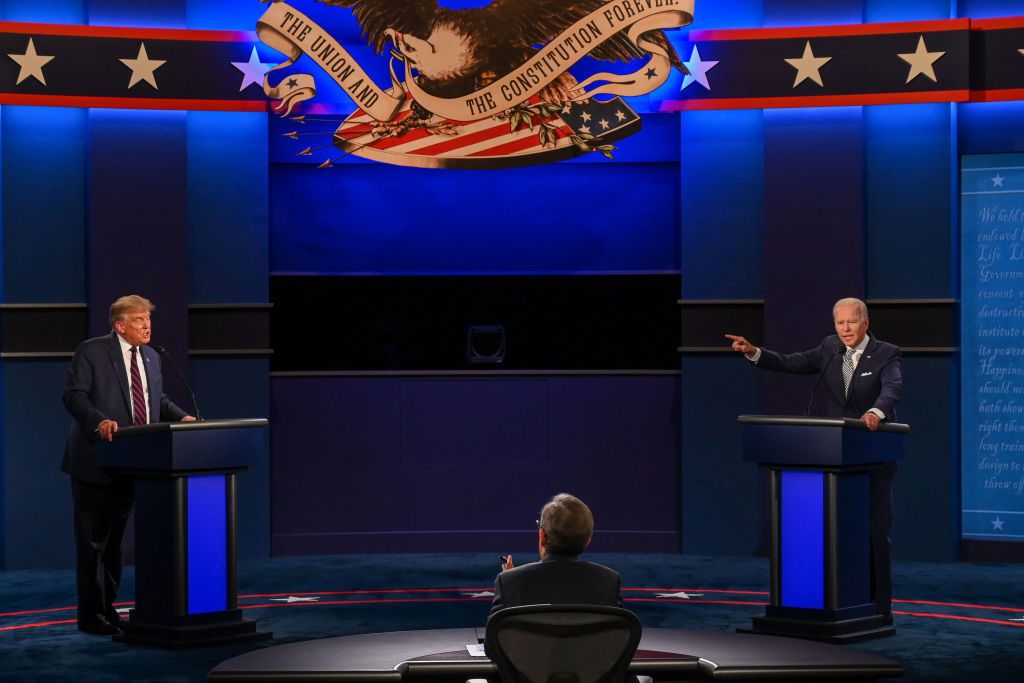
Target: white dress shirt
126	353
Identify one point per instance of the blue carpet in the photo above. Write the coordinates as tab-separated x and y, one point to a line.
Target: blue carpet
955	622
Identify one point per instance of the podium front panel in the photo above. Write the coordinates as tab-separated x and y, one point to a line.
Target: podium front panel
207	544
802	539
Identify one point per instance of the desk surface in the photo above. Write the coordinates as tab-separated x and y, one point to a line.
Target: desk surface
675	653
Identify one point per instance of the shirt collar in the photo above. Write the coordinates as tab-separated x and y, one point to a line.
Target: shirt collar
863	344
125	346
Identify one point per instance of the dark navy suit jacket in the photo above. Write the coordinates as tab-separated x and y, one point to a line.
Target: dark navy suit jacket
877	379
96	390
557	580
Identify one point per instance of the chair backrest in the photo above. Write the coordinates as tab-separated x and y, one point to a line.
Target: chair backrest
562	643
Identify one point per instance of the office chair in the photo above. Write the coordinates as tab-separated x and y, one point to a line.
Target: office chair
562	643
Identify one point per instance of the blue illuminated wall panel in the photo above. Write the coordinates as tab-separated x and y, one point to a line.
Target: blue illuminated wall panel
908	158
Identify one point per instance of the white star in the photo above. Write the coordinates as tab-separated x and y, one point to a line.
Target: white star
584	129
143	67
1021	619
808	66
681	594
619	115
997	181
481	594
698	70
253	71
604	124
585	116
291	598
997	524
567	108
921	61
31	64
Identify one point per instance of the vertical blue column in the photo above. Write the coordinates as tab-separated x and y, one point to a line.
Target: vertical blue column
207	544
802	556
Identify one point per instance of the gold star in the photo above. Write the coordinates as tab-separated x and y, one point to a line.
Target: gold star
921	61
31	64
808	66
143	67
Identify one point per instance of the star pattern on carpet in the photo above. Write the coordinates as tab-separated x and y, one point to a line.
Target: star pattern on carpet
291	598
481	594
682	595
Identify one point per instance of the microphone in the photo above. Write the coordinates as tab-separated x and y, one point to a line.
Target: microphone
839	352
164	352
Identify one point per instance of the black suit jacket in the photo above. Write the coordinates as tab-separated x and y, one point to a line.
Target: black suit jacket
96	390
557	580
877	379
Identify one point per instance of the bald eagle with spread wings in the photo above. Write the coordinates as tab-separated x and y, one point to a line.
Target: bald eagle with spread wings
459	51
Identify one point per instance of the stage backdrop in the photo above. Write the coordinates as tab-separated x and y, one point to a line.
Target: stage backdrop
993	346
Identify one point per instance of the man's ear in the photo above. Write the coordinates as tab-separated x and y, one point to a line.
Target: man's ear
588	542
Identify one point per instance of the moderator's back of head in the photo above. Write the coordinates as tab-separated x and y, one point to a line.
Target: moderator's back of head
562	643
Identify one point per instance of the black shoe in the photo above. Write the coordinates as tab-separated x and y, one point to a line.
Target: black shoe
99	628
114	619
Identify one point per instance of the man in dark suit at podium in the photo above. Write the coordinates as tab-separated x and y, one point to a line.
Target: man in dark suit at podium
113	381
564	530
864	380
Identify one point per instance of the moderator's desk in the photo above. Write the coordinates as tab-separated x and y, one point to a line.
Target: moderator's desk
674	654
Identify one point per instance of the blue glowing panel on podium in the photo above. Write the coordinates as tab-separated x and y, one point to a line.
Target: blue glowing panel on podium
803	540
207	544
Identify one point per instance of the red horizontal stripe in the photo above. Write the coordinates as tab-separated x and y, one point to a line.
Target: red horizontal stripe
957	617
518	146
38	624
498	130
1002	95
816	101
1016	610
134	103
363	602
369	592
826	31
703	602
127	32
698	590
997	22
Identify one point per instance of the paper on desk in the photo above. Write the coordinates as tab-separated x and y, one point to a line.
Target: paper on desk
476	649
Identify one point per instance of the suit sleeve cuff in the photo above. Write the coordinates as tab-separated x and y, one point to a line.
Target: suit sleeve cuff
756	357
879	413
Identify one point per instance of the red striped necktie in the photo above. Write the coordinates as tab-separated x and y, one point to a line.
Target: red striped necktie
138	395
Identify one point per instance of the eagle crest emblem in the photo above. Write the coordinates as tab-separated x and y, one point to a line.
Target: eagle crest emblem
483	87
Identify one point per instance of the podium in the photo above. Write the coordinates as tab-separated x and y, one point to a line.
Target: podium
820	477
186	591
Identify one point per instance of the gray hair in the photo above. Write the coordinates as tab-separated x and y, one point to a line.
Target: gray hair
567	523
862	307
127	304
